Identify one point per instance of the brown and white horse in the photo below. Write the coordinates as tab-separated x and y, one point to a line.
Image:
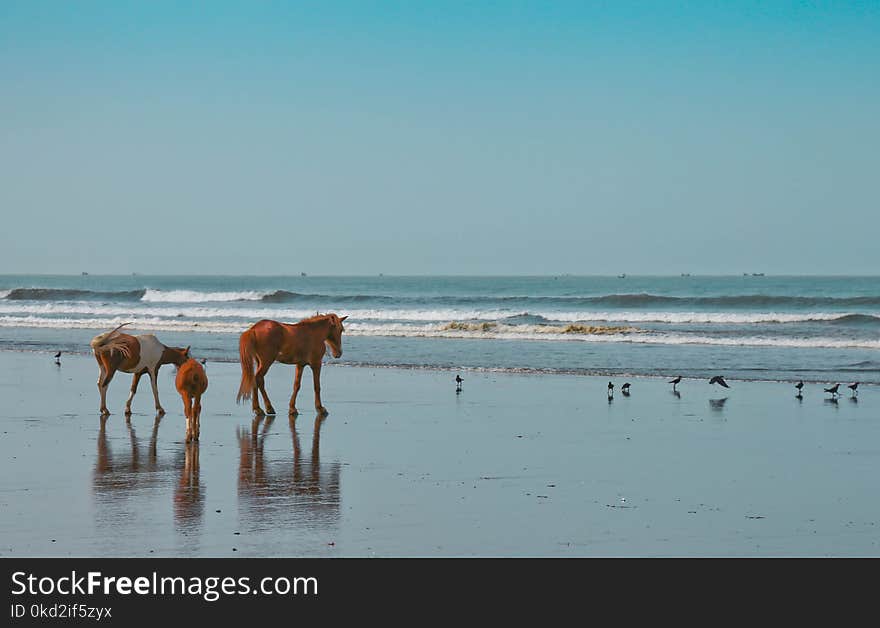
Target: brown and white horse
191	383
302	344
116	351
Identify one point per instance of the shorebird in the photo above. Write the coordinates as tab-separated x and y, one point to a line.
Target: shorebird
610	389
58	358
854	387
719	380
799	386
625	388
458	381
833	389
675	382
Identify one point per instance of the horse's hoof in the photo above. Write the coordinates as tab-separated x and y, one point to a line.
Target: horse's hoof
160	411
270	411
105	412
293	412
128	412
322	411
258	412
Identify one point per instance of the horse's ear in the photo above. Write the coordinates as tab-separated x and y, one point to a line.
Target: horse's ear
186	351
343	318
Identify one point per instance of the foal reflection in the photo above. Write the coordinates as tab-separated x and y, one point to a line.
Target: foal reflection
275	490
189	496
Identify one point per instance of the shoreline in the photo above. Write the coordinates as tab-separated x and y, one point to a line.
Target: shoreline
525	371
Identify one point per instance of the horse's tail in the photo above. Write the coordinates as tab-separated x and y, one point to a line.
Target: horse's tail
246	353
111	341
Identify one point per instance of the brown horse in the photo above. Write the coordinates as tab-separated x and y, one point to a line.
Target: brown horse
302	344
191	383
116	351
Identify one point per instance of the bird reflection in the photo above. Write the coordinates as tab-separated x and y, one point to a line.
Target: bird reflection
676	394
274	490
854	399
717	404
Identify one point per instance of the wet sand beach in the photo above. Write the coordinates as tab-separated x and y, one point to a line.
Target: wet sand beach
515	465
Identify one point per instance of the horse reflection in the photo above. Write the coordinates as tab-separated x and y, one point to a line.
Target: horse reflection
117	475
273	491
189	496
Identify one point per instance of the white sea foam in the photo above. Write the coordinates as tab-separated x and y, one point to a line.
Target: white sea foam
245	311
194	296
499	332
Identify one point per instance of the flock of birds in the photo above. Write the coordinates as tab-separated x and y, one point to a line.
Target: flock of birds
718	379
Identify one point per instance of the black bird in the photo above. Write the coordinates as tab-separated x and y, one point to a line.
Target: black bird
58	358
675	382
719	380
799	386
833	389
854	387
610	389
625	388
458	381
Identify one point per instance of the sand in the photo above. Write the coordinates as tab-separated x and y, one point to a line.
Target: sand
515	465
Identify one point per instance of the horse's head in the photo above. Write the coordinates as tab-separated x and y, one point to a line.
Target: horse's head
178	355
334	335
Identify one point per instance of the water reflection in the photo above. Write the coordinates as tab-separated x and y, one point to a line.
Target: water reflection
189	496
717	405
275	490
116	475
131	484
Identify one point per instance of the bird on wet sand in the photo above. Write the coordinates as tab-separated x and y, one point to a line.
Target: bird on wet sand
800	387
718	379
675	382
625	388
610	389
458	381
833	389
58	358
854	387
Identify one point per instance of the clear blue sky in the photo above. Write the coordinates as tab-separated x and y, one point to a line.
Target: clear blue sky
440	137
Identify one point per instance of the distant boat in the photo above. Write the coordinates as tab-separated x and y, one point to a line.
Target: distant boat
622	276
84	274
685	274
757	274
303	275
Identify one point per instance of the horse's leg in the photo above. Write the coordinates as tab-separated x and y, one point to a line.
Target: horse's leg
103	383
255	392
154	377
136	378
197	415
260	381
187	412
297	380
316	380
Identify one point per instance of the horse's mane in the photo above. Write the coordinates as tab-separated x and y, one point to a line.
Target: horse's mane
317	318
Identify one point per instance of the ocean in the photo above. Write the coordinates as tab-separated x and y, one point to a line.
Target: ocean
753	327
